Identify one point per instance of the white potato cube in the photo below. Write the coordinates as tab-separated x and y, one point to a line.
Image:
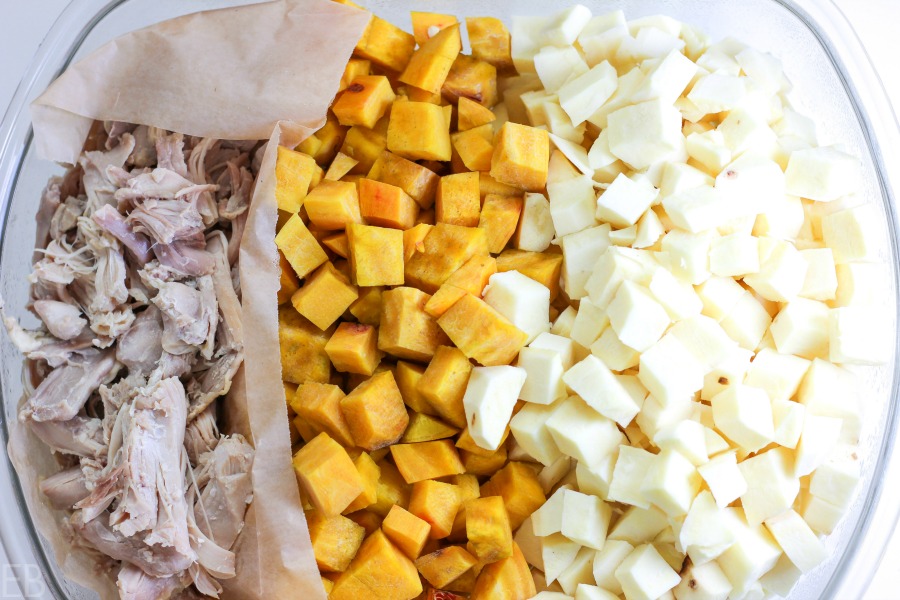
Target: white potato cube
782	219
645	575
631	467
771	484
753	182
582	433
819	437
643	133
704	339
667	80
544	369
723	478
744	415
655	416
747	321
703	582
852	234
797	540
729	371
857	335
649	230
622	97
607	560
559	343
525	41
778	374
677	177
601	36
578	573
564	27
555	66
821	276
566	134
706	532
613	353
599	155
746	130
857	284
601	390
715	443
687	438
615	266
529	429
719	295
754	552
595	479
592	592
670	371
831	391
781	273
522	300
687	254
554	473
676	296
639	525
734	255
781	578
763	69
581	250
572	204
708	149
822	174
551	595
820	515
583	94
716	92
801	328
489	400
535	103
625	200
638	319
699	209
557	553
585	519
535	230
548	519
671	483
562	326
835	480
529	544
789	417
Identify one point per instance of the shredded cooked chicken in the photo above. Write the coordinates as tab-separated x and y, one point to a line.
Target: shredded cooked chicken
134	283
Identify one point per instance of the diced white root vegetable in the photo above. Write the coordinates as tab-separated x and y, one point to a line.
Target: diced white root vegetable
687	438
752	182
730	370
625	200
585	519
819	437
607	560
599	155
820	515
703	582
569	144
723	478
781	272
613	353
621	98
639	525
548	519
763	69
555	66
582	433
801	328
706	532
581	250
781	578
529	544
719	296
589	323
535	103
583	94
747	321
716	92
677	177
559	343
638	319
676	296
554	473
535	230
562	326
771	484
601	390
715	443
644	133
778	374
709	150
595	479
671	483
734	255
579	572
631	467
821	277
522	300
704	339
564	27
654	416
744	415
857	284
557	553
544	370
572	204
699	209
850	234
789	417
649	230
525	41
592	592
529	428
782	219
747	131
551	595
601	36
797	540
670	371
644	574
667	80
822	174
754	552
835	480
489	400
615	266
687	254
857	335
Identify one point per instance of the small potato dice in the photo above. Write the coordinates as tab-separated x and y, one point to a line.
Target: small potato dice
386	205
520	489
488	530
376	255
303	356
471	114
334	541
422	22
414	179
379	570
500	217
299	246
325	296
353	348
370	473
327	475
385	45
407	531
288	282
543	267
293	173
446	248
436	503
430	64
471	78
333	205
444	384
458	201
419	130
481	332
521	157
445	565
489	39
425	428
364	101
427	460
406	330
319	404
507	579
475	147
375	412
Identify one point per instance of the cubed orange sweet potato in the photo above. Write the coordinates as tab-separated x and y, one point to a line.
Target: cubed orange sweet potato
299	246
475	147
304	429
335	540
367	308
447	248
426	460
376	255
417	95
325	296
481	332
333	205
473	79
385	45
419	130
353	348
507	579
319	404
406	330
406	530
520	489
414	239
436	503
363	145
489	39
429	65
488	529
426	428
293	172
468	489
364	101
337	243
327	475
427	24
521	157
444	384
484	465
471	114
340	166
443	566
302	345
391	490
386	205
543	267
375	412
327	140
366	519
327	584
408	375
288	282
356	67
470	278
370	473
467	443
379	570
416	180
500	217
458	201
489	185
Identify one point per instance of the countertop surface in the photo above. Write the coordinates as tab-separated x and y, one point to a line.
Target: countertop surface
25	22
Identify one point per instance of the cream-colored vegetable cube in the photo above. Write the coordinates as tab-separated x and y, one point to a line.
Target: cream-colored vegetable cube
835	480
615	266
677	177
639	525
631	467
734	255
586	591
644	133
820	515
752	182
595	479
548	519
703	582
671	483
821	276
645	575
824	174
801	328
589	323
564	27
688	254
582	433
567	139
788	417
704	339
754	552
601	36
781	578
522	300
731	370
555	66
676	296
544	370
667	80
554	473
851	234
744	414
699	209
535	224
670	371
573	203
706	531
583	94
585	519
638	319
577	573
715	443
580	253
490	397
797	540
719	295
562	326
857	284
723	478
557	553
778	374
529	428
781	273
747	321
857	335
559	343
607	560
717	92
708	149
599	156
687	438
601	390
782	219
818	438
655	416
771	484
613	353
625	200
649	230
832	391
747	130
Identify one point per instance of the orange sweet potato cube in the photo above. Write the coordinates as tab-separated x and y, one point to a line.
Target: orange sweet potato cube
288	282
367	308
520	489
391	490
427	460
470	278
353	348
416	180
506	579
488	530
426	428
406	530
481	332
422	22
370	473
302	346
335	540
443	566
473	79
458	201
521	157
364	101
304	429
340	166
417	95
333	204
356	67
369	521
489	185
327	584
319	404
414	239
338	244
379	570
363	145
471	114
475	147
329	137
376	255
406	330
327	475
489	39
375	412
543	267
484	465
500	217
429	65
385	45
447	248
386	205
325	296
299	246
419	130
436	503
444	384
468	489
408	375
293	173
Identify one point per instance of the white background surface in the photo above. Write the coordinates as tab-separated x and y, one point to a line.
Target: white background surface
23	24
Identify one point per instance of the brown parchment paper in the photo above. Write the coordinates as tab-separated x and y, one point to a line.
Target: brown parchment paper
263	71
